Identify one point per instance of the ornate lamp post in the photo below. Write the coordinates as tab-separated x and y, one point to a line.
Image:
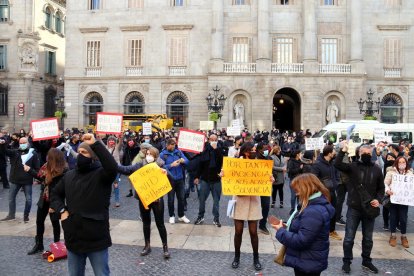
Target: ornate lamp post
215	104
60	104
371	105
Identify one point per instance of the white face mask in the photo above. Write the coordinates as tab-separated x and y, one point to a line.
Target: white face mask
150	158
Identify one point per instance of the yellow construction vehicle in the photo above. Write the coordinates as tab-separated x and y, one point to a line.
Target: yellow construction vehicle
159	121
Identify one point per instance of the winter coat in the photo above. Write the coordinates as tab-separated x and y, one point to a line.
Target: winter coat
293	168
42	200
175	173
129	154
388	177
307	241
326	170
277	171
211	161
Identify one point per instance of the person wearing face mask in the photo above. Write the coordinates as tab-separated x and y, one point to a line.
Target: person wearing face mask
278	171
130	151
398	213
377	154
234	150
294	168
116	151
82	197
19	177
389	162
367	180
74	144
156	141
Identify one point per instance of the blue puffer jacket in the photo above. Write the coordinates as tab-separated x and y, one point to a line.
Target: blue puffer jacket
176	173
307	241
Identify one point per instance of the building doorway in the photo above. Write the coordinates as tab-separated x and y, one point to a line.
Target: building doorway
286	110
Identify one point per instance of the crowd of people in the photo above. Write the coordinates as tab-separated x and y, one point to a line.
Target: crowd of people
79	172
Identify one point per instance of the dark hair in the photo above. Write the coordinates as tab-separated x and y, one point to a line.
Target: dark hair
327	150
170	142
247	147
407	167
260	146
295	153
56	164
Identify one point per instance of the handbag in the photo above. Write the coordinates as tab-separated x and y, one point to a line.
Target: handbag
328	183
280	257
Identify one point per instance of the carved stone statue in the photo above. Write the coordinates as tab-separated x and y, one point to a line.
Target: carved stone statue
28	57
239	112
332	112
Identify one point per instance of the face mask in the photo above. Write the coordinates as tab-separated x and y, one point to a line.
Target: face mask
389	163
23	146
131	144
147	140
252	155
214	143
149	158
111	143
366	158
265	153
83	162
401	167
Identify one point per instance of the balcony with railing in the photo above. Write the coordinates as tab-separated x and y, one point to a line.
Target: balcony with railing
133	71
239	68
392	73
287	68
177	70
93	72
335	68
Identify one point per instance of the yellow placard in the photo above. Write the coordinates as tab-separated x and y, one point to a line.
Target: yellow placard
150	183
250	177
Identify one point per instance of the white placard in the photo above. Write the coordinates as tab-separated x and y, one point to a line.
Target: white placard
206	125
402	187
235	123
379	135
314	143
146	128
366	134
45	129
191	141
233	131
110	123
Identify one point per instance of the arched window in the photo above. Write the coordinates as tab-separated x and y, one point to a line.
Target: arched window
4	11
93	103
177	108
48	18
391	109
58	22
134	103
4	99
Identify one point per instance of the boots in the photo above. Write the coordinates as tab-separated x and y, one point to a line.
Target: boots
256	263
130	193
147	249
166	253
38	247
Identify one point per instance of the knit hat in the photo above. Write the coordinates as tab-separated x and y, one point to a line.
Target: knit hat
89	150
146	146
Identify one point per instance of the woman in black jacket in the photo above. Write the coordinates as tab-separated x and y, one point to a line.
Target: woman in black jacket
54	170
294	168
130	151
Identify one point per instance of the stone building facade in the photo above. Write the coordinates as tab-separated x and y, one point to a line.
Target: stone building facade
284	60
32	60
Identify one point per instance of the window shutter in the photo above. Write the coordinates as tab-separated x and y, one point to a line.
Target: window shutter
339	50
47	62
230	57
274	50
319	50
185	51
53	63
294	50
250	57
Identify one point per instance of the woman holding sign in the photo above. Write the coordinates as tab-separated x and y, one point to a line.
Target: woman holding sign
397	212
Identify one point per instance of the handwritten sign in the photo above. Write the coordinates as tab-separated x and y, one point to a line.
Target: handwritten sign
379	135
45	129
233	131
403	188
206	125
314	143
235	123
110	123
150	183
366	134
191	141
146	128
351	149
250	177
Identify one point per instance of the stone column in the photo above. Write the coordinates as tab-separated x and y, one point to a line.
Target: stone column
217	37
356	38
310	45
263	38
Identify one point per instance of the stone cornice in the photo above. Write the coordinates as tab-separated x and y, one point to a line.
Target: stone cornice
393	27
4	40
94	30
177	27
34	36
136	28
49	46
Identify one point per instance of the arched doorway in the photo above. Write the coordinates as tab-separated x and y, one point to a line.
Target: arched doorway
177	108
391	109
286	109
93	103
134	103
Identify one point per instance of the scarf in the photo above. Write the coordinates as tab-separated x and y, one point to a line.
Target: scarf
315	195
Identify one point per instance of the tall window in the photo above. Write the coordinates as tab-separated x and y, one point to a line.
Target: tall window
134	103
241	2
329	51
4	103
3	57
282	2
178	51
136	4
135	52
50	63
58	23
392	3
177	3
4	11
283	50
392	53
177	108
93	56
94	4
93	103
391	109
48	18
242	49
329	2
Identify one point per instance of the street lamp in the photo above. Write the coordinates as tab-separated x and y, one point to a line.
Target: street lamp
369	103
60	104
215	103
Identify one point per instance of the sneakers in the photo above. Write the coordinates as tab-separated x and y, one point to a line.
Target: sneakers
335	236
404	242
117	204
199	221
8	218
393	241
264	230
26	218
183	219
346	268
386	228
172	220
272	205
341	222
370	267
216	222
281	205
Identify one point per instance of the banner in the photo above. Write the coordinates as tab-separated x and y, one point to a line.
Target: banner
403	188
191	141
206	125
146	128
150	183
233	131
314	143
45	129
109	123
249	177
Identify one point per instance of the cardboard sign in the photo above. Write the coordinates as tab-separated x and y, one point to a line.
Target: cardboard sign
351	149
45	129
109	123
379	135
366	134
249	177
146	128
191	141
233	131
403	188
206	125
314	143
150	183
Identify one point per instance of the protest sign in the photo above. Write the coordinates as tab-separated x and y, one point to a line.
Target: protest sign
191	141
233	131
146	128
109	123
379	135
366	134
402	187
150	183
314	143
45	129
351	149
206	125
249	177
236	123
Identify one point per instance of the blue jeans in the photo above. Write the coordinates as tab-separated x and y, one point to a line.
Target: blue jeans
14	189
190	187
205	189
292	194
398	213
265	202
177	189
98	259
353	218
116	189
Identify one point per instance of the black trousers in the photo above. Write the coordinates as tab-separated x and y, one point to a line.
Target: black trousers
300	273
340	199
3	175
157	208
275	189
333	203
40	222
